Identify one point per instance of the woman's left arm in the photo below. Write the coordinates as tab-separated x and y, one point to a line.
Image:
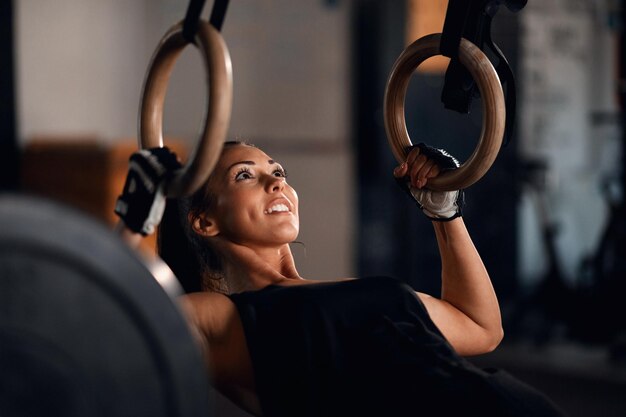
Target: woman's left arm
467	313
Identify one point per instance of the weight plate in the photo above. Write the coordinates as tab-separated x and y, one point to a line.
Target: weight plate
84	328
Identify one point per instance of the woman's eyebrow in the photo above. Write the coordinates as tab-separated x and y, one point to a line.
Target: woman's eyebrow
270	161
239	163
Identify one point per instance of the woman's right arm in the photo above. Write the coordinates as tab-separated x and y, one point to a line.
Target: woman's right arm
215	323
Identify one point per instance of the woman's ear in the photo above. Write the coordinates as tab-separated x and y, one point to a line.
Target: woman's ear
204	226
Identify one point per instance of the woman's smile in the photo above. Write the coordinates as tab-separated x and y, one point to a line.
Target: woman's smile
280	205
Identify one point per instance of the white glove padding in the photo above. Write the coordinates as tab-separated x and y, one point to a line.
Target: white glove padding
436	205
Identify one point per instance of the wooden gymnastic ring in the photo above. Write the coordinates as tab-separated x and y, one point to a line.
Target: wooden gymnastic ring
219	81
493	108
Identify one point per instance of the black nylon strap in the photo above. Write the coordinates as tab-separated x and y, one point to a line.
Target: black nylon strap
218	14
190	25
453	26
505	73
471	19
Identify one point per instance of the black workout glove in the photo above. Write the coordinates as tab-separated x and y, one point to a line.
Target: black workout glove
142	202
436	205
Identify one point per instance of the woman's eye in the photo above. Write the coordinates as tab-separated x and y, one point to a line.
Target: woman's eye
280	173
243	175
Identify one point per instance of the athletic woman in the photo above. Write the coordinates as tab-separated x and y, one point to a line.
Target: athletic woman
279	344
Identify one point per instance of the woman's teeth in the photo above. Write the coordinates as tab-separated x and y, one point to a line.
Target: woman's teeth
277	208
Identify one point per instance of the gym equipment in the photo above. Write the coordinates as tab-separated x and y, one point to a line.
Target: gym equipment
217	63
85	329
466	32
220	95
472	20
493	110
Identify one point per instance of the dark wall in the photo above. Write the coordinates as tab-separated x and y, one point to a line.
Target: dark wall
394	237
8	136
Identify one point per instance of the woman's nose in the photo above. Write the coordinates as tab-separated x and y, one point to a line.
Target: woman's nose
275	184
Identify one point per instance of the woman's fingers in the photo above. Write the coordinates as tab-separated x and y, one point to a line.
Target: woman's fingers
401	170
434	171
429	170
418	168
413	154
420	171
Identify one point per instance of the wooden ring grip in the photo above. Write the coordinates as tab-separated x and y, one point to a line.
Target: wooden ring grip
219	84
493	109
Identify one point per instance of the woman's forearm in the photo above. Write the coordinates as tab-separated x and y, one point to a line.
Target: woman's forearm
465	282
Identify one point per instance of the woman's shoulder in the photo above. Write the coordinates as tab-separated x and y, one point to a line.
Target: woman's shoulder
322	285
368	280
206	298
365	282
210	311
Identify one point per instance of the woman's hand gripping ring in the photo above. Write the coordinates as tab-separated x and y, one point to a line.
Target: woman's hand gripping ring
423	165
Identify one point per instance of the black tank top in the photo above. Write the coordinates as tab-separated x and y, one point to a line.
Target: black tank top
366	347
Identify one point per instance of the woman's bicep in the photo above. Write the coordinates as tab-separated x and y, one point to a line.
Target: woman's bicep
216	323
465	335
211	314
197	320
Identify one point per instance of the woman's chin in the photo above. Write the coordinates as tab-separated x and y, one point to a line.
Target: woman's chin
283	235
270	240
283	240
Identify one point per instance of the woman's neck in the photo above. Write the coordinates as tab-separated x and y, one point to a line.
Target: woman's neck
260	267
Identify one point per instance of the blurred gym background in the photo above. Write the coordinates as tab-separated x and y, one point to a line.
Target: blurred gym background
309	78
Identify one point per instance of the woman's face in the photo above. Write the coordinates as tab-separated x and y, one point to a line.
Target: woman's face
254	205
